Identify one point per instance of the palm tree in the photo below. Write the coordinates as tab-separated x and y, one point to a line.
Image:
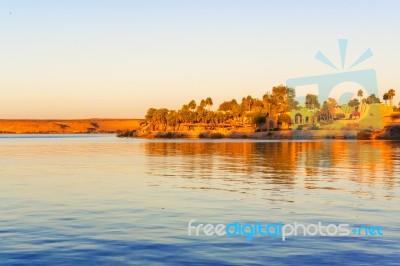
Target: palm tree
249	101
203	103
211	119
182	118
237	112
200	113
184	113
360	94
227	105
172	119
391	93
267	102
385	97
332	104
151	117
162	117
192	105
220	117
209	102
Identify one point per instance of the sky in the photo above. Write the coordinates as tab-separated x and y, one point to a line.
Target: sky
115	59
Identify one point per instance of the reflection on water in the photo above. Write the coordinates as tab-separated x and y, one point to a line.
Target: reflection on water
81	200
250	166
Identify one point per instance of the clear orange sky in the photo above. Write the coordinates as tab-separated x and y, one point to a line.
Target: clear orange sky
82	59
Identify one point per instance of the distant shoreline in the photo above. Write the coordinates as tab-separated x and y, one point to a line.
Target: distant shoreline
67	126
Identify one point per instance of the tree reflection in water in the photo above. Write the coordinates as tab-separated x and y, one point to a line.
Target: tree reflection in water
251	166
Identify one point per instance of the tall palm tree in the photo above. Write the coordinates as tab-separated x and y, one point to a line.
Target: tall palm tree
184	113
211	119
162	117
332	105
192	105
237	112
220	117
151	117
249	101
209	102
391	93
385	97
203	103
360	94
267	102
172	119
200	113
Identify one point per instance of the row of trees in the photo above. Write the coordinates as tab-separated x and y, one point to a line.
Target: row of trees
371	99
249	111
325	112
312	100
389	96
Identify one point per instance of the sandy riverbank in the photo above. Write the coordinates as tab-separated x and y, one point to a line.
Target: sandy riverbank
73	126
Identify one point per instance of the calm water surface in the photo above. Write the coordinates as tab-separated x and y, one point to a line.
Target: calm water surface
97	199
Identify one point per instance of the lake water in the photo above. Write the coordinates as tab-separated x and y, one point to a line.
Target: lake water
97	199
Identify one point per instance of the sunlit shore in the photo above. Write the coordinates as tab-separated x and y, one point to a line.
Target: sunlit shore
390	132
276	115
132	128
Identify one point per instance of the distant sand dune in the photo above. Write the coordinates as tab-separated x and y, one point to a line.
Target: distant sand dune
68	126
